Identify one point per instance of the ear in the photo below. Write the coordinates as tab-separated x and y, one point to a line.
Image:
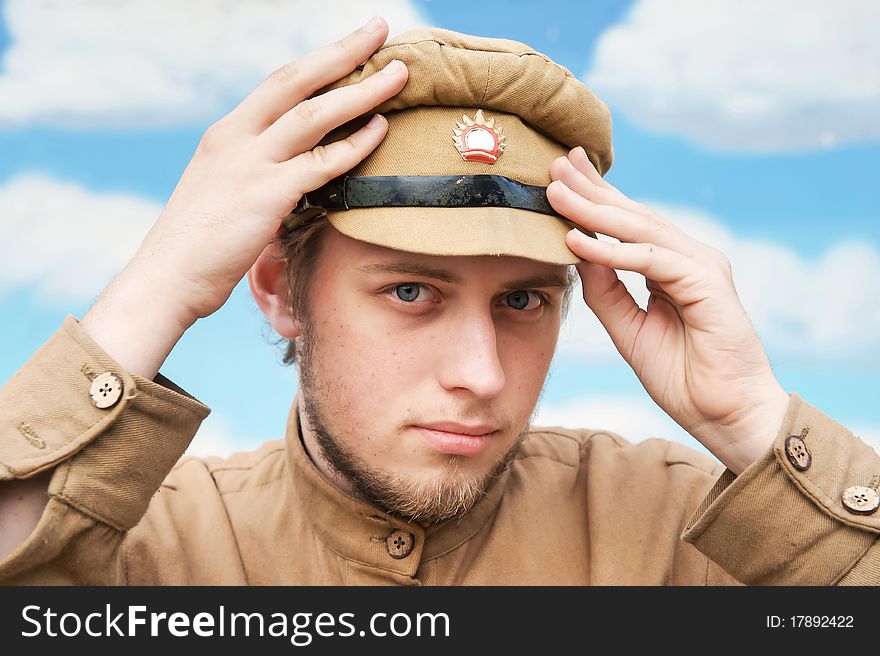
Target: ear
270	290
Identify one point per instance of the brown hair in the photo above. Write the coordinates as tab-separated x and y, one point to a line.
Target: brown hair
300	248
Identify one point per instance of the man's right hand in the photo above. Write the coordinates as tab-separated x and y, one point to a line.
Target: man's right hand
249	170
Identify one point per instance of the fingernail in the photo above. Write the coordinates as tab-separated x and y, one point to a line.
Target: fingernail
563	185
376	122
374	25
392	68
579	236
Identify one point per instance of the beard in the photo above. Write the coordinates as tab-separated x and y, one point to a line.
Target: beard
449	495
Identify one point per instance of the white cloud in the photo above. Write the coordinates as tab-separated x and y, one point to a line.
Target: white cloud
817	308
216	438
768	75
633	418
64	240
121	62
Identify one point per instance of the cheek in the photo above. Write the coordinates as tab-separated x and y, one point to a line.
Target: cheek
369	368
371	380
526	360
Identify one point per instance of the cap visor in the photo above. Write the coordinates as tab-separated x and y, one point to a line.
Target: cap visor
460	231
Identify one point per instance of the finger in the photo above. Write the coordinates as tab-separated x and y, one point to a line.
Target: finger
318	166
652	261
582	163
613	305
563	169
306	124
296	81
622	224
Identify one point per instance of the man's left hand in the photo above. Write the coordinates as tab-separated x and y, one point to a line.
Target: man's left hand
694	349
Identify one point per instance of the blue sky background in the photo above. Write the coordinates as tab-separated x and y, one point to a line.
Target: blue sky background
84	146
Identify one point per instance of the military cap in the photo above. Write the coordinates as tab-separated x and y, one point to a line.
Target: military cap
464	167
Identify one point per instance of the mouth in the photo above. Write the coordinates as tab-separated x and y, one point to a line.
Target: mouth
456	439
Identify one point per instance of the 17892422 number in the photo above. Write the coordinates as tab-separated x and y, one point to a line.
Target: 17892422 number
822	621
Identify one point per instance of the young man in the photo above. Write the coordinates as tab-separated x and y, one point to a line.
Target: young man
423	311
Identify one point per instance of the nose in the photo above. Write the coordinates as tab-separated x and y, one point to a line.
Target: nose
470	357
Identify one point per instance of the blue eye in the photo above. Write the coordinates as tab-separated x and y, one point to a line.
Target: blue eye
522	300
407	292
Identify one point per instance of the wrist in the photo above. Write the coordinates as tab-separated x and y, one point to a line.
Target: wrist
749	438
136	323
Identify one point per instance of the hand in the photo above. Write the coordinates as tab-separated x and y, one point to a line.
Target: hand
249	170
253	165
694	349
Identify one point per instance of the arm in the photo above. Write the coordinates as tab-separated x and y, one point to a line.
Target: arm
769	519
101	462
250	169
783	519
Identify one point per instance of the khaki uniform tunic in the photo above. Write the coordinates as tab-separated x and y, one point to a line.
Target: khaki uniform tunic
576	506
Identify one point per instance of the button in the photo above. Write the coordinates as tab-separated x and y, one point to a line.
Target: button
798	453
400	544
861	500
106	390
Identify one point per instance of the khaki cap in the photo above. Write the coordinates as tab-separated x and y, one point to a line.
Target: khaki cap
460	90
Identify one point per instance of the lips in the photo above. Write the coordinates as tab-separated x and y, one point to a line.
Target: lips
456	439
475	430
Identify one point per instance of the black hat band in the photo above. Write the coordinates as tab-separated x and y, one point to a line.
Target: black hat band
349	192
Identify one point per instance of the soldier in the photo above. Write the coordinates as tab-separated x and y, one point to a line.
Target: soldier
420	260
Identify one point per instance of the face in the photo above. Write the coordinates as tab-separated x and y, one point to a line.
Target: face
419	374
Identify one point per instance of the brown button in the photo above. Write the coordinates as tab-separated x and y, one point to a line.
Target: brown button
106	390
861	500
400	544
798	453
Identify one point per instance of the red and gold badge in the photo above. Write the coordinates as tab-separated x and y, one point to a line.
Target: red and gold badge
478	139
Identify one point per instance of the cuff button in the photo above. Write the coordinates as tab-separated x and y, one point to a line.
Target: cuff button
106	390
797	452
861	500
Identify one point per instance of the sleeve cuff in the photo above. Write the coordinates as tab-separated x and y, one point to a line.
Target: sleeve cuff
109	461
776	523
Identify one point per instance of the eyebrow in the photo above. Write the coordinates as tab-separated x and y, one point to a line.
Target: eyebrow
422	270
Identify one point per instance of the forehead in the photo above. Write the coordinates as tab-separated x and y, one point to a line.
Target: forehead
369	260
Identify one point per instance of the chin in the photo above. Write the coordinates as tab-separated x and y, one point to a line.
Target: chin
447	488
432	499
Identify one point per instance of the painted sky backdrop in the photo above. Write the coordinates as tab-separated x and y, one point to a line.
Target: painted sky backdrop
755	125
